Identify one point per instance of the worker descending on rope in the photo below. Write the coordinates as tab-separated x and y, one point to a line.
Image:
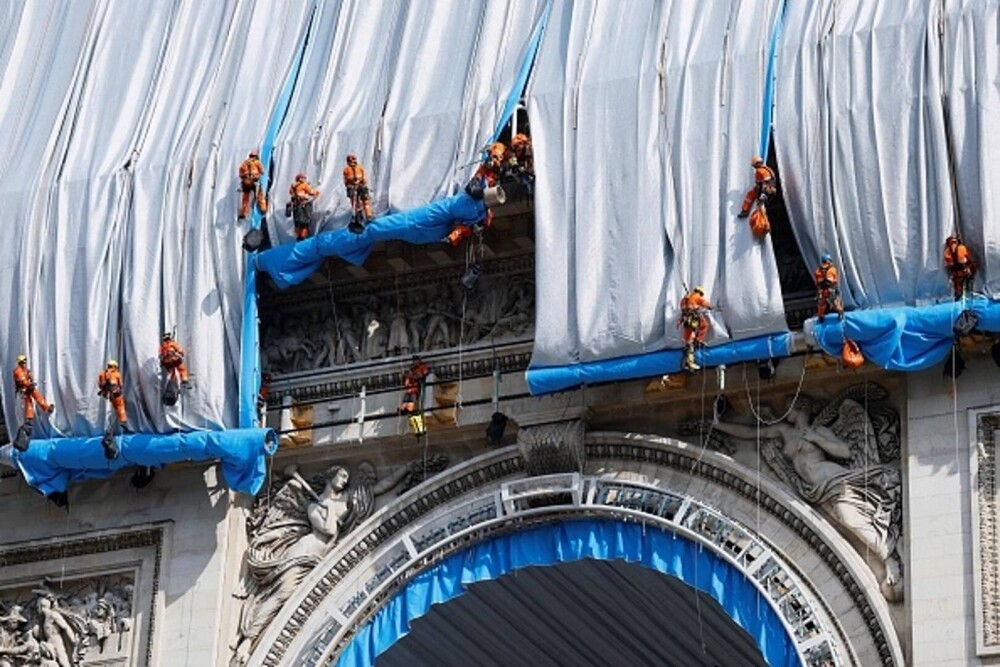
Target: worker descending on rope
251	170
358	193
765	186
111	387
303	194
24	386
414	380
175	371
827	288
960	266
694	322
487	176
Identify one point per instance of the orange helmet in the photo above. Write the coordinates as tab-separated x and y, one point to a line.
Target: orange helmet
300	176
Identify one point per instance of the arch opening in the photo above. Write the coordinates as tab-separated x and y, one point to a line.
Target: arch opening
570	541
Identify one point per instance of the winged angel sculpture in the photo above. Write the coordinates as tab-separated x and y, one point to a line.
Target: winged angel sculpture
843	459
293	526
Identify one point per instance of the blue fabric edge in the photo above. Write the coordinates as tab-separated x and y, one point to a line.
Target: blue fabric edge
569	541
549	379
51	465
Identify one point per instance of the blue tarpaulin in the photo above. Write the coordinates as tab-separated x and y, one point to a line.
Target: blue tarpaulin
547	379
51	465
906	338
571	541
291	263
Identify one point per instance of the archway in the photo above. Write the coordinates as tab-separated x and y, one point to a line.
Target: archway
583	612
744	619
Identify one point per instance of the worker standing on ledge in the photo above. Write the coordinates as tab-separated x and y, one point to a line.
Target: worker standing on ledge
251	170
358	193
958	262
827	290
765	186
694	322
303	194
414	380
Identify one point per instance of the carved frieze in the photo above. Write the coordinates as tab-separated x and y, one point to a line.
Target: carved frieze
85	621
89	599
347	328
986	550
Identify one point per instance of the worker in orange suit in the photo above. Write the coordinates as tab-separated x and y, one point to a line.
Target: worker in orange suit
492	165
765	186
522	158
357	187
694	322
827	288
110	386
413	386
958	262
488	175
303	194
24	384
172	359
251	170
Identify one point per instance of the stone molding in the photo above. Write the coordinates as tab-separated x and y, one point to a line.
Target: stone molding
985	423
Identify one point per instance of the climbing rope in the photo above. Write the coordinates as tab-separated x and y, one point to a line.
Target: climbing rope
791	406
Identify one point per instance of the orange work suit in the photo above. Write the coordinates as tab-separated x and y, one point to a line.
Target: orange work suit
357	189
25	385
172	359
520	147
694	321
109	383
827	292
765	186
251	170
960	267
413	384
489	170
302	195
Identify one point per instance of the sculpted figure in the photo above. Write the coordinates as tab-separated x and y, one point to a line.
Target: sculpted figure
348	347
376	333
291	535
399	336
63	640
841	460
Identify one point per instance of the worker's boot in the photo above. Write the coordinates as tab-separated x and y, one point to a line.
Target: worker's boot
690	365
109	445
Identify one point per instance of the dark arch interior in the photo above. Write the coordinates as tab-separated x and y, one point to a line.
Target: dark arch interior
587	612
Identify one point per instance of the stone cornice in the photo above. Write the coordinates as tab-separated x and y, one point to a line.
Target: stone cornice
448	365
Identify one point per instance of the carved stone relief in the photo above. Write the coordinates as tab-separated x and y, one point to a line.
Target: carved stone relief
296	522
362	327
843	457
69	623
91	599
986	549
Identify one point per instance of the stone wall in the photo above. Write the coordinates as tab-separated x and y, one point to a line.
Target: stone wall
170	540
939	460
